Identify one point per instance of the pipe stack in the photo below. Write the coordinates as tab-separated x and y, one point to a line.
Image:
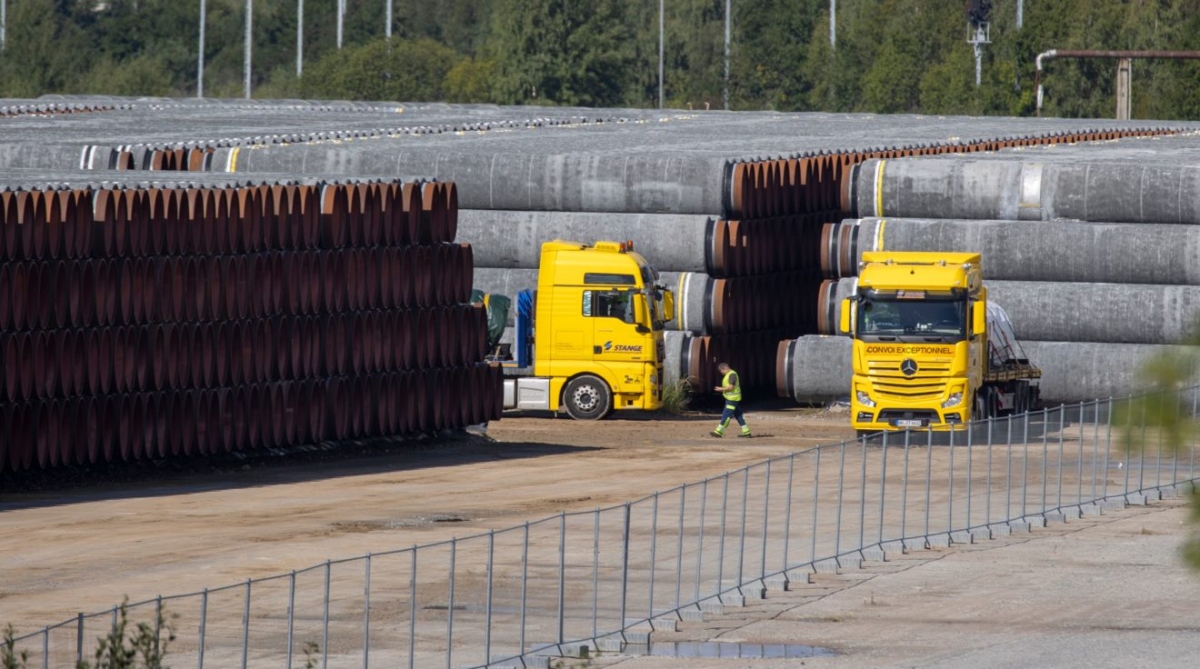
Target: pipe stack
728	197
144	323
1091	252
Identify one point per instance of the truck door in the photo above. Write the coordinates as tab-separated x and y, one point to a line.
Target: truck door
614	325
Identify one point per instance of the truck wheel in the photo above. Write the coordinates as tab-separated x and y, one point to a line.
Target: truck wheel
587	398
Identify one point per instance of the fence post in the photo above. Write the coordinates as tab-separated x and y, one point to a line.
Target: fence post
862	499
562	574
742	532
928	478
1079	466
1045	455
1107	447
787	513
203	621
1008	480
46	647
987	515
653	555
367	614
679	546
624	567
158	616
1062	428
1025	467
1158	458
970	463
246	627
412	610
721	540
79	640
325	618
762	567
882	483
700	537
487	634
450	604
816	499
291	615
904	491
596	573
524	587
837	538
950	485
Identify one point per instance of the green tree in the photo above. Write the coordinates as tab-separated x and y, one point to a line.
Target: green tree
402	70
559	52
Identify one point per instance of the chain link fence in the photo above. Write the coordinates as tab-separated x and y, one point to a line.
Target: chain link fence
597	578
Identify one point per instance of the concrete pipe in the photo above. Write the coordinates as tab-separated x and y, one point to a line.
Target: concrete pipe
1032	251
817	369
1119	192
1046	311
513	239
507	180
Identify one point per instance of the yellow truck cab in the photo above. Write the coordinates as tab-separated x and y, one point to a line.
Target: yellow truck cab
929	351
590	339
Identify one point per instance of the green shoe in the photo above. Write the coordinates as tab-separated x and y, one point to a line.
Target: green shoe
717	433
746	434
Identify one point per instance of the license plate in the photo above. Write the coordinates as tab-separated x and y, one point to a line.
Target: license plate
910	423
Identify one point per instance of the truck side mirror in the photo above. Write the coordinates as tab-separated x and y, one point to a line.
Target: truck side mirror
642	329
978	317
668	306
848	311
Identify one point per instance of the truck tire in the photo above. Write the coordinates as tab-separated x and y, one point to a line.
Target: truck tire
587	398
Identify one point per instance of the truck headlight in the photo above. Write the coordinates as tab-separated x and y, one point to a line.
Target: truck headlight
865	399
954	400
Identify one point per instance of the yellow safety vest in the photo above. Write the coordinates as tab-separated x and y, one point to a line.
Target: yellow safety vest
734	395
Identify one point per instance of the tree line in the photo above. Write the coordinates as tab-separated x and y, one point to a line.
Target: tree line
891	56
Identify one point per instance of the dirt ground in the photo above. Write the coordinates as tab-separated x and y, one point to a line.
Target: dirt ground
86	548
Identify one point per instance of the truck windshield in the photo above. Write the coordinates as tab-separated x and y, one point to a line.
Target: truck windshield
889	318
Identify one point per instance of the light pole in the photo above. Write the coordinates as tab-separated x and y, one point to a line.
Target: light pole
1020	13
388	20
661	34
832	23
248	47
299	38
200	55
341	13
726	96
3	24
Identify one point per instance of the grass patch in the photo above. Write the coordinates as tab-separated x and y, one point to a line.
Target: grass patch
677	397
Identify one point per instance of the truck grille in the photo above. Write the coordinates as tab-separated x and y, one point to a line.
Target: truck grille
928	383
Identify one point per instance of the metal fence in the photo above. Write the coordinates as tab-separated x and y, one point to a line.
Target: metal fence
595	578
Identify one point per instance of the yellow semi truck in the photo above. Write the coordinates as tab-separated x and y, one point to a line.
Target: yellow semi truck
590	338
929	351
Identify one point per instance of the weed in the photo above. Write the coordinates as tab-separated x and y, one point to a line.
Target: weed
144	647
9	657
676	397
311	648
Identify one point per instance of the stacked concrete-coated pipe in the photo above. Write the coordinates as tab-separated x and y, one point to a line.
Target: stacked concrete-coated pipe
1091	312
1029	189
1029	250
816	369
749	176
150	323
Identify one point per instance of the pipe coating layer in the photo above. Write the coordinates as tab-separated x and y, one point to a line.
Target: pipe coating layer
1118	192
488	180
817	369
1096	312
513	239
1044	251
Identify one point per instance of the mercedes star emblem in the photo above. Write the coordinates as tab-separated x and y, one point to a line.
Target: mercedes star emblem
909	367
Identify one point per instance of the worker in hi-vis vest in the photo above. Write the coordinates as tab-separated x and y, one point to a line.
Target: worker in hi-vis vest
731	388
